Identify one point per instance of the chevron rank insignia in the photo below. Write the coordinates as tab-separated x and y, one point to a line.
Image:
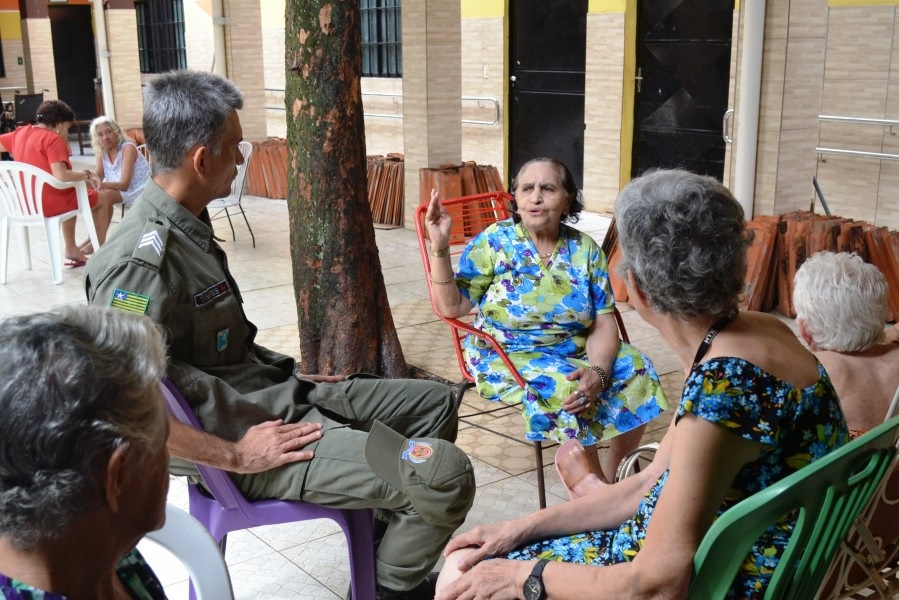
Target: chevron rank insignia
129	301
150	248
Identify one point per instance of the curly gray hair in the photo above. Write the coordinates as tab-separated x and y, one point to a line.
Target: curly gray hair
95	141
184	109
75	384
684	239
842	301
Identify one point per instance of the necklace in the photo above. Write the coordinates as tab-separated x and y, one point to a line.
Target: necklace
714	330
547	255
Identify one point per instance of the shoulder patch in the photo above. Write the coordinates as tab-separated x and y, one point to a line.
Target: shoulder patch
151	245
129	301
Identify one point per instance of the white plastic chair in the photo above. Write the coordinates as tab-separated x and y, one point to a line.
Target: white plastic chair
188	540
22	190
233	199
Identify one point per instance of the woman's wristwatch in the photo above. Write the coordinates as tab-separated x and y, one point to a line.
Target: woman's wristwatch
533	585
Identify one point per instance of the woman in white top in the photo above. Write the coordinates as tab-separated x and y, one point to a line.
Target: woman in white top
120	166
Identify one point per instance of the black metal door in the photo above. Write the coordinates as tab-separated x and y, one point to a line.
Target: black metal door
75	58
683	69
548	48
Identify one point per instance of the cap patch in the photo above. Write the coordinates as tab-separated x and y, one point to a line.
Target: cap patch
418	452
129	301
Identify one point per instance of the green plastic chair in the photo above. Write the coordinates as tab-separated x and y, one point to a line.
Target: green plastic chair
829	494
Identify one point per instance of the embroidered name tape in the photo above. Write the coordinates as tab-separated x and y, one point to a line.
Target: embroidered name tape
211	293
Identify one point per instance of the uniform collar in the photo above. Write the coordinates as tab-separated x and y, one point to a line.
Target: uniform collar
179	216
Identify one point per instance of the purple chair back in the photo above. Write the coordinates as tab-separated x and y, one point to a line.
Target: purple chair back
223	509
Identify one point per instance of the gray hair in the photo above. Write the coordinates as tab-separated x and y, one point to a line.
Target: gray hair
75	384
842	300
95	141
183	110
684	239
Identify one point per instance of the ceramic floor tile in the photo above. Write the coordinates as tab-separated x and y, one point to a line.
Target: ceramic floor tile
326	559
274	576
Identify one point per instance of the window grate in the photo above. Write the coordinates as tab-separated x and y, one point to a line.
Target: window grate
160	35
382	35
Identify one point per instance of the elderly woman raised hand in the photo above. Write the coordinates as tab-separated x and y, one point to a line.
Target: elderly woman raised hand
756	406
541	288
83	459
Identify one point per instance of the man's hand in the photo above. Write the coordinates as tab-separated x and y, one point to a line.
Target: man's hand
489	580
485	541
272	444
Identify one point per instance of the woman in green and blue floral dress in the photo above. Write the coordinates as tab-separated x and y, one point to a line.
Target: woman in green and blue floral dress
756	407
542	289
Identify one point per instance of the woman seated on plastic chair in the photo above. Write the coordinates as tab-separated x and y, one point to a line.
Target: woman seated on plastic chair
542	289
83	459
756	407
46	146
122	169
840	305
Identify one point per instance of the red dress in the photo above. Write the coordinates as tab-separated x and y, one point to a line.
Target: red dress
41	147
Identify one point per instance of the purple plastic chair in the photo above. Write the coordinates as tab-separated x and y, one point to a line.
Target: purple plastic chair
223	509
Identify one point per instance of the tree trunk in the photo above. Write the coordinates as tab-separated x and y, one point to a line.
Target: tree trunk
345	320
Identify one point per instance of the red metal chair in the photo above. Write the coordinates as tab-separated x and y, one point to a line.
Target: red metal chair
223	509
471	215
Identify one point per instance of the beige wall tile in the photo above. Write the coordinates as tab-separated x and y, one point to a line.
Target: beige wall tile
859	41
774	61
777	19
124	66
850	186
766	172
808	18
887	214
795	168
854	97
15	73
38	48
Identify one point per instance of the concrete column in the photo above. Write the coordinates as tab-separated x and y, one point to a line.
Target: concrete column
124	64
243	59
432	91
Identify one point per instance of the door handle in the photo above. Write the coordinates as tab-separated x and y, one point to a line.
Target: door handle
639	78
728	117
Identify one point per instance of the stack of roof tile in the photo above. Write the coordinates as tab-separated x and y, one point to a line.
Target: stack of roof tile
267	171
780	245
455	181
386	189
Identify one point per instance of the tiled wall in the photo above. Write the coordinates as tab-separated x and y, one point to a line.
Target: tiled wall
124	66
37	41
603	110
243	48
861	79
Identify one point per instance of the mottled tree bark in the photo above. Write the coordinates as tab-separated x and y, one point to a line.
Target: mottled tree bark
345	320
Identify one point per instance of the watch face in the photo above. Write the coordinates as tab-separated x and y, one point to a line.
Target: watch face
533	588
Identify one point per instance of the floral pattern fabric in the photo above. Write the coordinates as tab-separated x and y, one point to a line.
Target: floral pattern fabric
541	314
134	572
795	427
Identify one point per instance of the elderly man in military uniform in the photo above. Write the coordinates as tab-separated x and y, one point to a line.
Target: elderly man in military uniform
319	439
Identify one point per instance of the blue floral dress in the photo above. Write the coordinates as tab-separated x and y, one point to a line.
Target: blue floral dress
795	426
134	572
541	314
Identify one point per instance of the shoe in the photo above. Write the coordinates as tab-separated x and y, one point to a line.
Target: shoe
426	590
75	263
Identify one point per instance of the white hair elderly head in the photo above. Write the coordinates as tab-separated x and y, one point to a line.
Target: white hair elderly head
840	302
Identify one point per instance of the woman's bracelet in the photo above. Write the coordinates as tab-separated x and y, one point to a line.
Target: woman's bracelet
442	281
87	174
603	378
440	253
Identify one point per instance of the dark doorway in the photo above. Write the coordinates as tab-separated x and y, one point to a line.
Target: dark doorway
548	46
75	58
683	70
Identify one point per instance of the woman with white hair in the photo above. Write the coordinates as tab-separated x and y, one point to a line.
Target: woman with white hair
840	305
83	459
120	166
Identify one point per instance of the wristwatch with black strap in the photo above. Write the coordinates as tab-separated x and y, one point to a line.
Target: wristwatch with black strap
533	585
